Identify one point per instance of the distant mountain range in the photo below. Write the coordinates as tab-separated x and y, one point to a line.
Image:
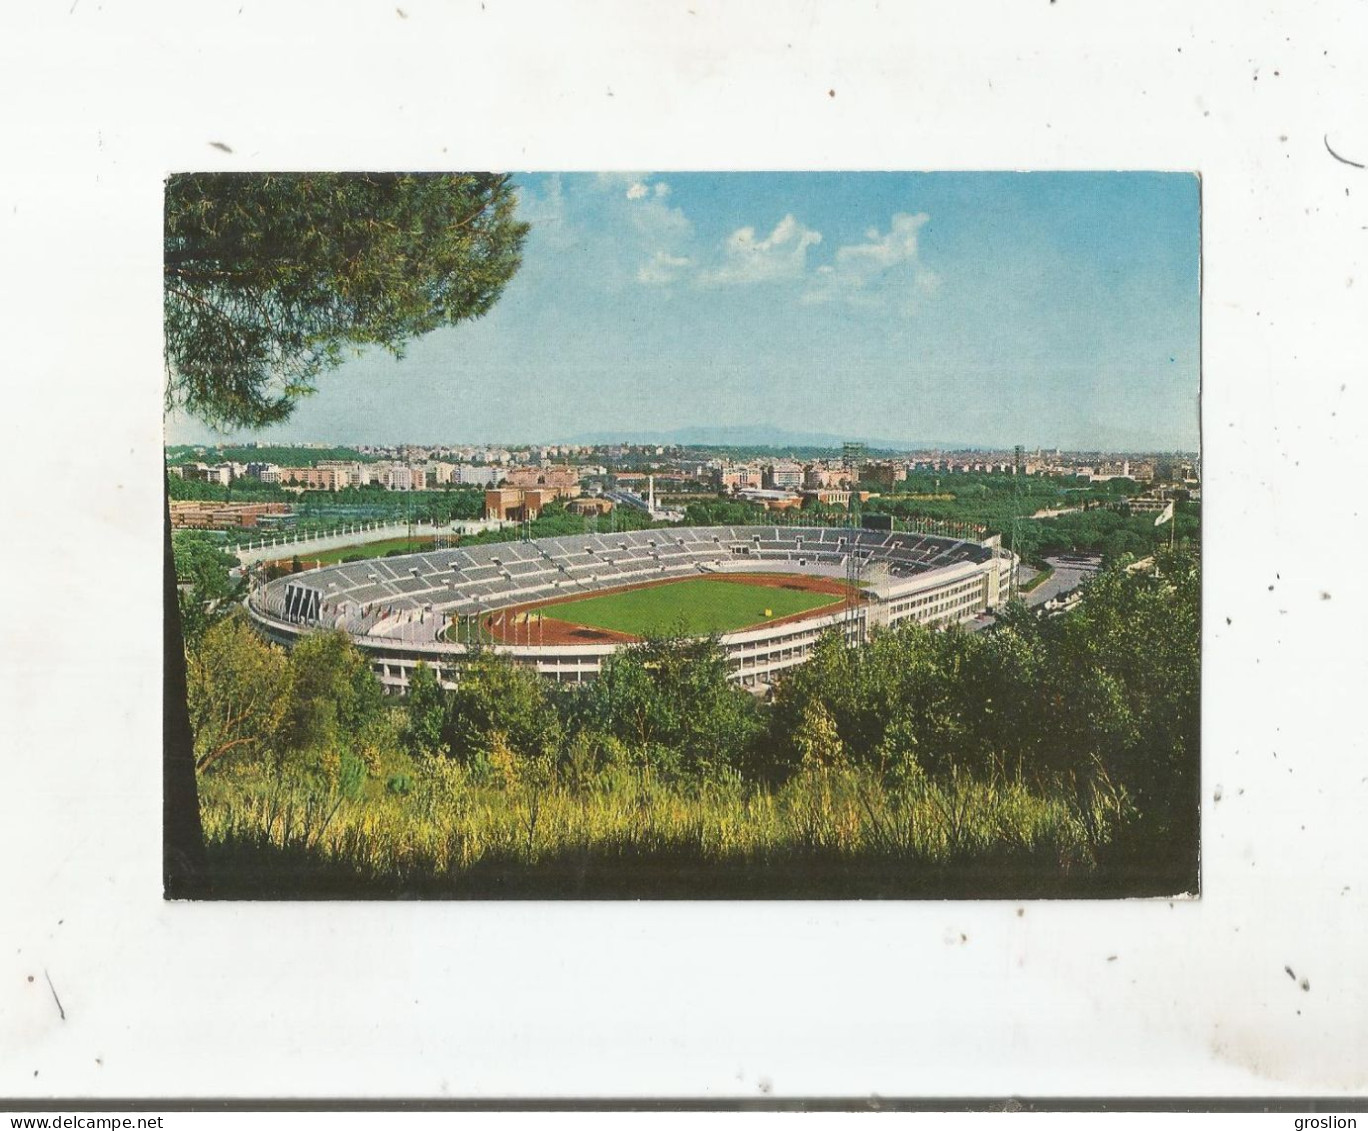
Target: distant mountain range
754	436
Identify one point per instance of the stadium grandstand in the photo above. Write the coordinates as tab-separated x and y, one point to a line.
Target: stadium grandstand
440	605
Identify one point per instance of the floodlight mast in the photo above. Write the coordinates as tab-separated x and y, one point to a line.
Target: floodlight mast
854	571
1018	471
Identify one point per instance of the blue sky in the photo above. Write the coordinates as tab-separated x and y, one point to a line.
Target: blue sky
979	308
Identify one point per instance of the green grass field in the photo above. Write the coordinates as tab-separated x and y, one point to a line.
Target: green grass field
368	550
693	608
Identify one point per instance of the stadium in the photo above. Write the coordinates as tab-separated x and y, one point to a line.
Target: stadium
562	605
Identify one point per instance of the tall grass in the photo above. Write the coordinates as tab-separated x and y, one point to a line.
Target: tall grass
828	832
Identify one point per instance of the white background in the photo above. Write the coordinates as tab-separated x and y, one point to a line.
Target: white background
101	99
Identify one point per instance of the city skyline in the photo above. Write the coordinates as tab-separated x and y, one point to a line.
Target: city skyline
975	310
524	446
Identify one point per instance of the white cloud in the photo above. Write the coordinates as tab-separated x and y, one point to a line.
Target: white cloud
616	227
886	268
661	233
654	244
899	245
644	186
659	225
780	255
615	179
662	268
547	212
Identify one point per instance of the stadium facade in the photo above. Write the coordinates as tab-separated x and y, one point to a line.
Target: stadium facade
399	610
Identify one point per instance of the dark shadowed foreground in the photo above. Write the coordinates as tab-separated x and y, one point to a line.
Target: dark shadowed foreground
265	871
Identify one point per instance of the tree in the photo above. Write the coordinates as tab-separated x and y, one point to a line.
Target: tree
425	712
205	591
268	280
1145	631
671	699
336	702
239	690
817	739
500	707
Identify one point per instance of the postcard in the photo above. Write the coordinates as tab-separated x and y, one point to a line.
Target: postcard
693	535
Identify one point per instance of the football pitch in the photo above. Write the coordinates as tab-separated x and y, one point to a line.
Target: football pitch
695	607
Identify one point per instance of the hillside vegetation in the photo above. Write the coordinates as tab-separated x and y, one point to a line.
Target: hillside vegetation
1045	757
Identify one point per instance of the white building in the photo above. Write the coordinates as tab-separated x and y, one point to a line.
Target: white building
478	475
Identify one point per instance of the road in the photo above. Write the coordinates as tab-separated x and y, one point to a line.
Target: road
1066	577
